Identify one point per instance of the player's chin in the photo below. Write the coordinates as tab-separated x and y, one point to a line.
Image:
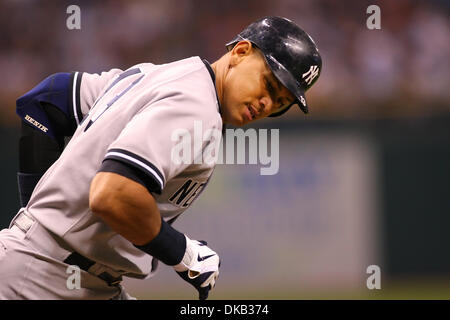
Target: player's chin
241	121
235	119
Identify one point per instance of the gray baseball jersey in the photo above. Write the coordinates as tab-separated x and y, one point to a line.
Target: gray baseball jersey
126	124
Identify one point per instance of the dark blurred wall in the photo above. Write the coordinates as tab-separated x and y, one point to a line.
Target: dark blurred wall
9	199
415	167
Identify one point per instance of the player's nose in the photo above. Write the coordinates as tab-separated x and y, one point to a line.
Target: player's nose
266	105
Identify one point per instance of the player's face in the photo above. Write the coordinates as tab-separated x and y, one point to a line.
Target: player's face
251	91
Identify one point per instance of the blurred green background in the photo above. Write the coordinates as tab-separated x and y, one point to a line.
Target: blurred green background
363	180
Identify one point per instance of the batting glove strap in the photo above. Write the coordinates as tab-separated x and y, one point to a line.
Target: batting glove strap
189	255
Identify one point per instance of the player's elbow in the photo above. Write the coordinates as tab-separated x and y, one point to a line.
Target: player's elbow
101	198
100	202
125	206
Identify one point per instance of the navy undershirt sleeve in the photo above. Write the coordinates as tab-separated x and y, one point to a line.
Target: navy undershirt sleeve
131	172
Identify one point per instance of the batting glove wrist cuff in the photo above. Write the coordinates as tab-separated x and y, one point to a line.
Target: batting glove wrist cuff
189	254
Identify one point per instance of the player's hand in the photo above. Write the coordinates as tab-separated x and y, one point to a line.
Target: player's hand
199	267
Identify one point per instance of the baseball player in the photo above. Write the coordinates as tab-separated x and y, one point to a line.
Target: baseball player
99	189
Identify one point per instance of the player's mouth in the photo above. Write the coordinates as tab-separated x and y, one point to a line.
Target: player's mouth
250	112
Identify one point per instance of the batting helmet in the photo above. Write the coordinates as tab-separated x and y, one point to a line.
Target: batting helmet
290	53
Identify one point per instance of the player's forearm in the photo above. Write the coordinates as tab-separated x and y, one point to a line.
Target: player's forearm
126	206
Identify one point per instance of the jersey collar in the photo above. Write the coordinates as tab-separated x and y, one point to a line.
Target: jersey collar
213	77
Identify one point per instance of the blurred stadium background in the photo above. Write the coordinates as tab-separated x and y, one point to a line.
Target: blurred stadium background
363	180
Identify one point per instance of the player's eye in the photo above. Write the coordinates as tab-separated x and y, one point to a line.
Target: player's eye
270	88
282	102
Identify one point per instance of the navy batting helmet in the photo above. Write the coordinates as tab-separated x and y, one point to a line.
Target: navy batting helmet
290	53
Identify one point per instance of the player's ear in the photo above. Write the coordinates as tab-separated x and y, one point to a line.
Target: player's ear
240	51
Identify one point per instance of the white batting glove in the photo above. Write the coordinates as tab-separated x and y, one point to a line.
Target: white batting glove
199	267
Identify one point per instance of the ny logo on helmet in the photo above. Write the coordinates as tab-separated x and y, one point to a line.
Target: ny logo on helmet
303	101
311	74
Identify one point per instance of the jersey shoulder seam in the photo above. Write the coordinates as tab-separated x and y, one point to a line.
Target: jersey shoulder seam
177	77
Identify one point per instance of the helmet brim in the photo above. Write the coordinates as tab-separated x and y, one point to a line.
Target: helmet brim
281	111
287	80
